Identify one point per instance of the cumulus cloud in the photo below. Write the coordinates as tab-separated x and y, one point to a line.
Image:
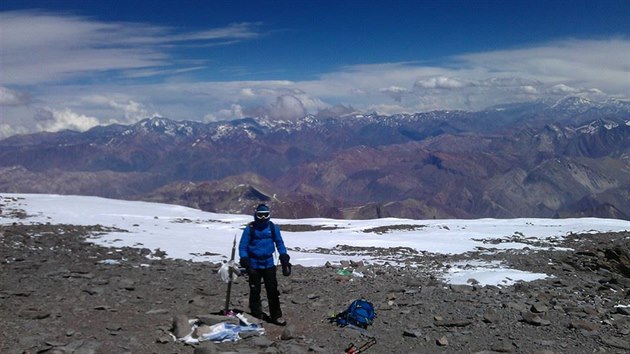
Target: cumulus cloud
10	97
531	90
53	121
286	107
396	92
7	130
440	83
133	111
589	63
71	47
562	89
335	111
234	112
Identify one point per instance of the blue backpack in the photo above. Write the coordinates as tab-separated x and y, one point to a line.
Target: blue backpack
360	313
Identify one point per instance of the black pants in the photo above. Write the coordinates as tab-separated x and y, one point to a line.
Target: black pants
271	287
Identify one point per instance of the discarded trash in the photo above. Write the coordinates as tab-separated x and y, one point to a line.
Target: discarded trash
357	274
344	271
110	261
228	332
224	271
220	332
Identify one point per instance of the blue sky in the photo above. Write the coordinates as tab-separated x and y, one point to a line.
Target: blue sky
77	64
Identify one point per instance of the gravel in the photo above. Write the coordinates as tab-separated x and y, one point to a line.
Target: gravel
61	294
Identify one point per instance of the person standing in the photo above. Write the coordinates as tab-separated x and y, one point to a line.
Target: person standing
256	248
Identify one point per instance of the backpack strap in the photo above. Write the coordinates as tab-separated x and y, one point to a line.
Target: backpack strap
251	231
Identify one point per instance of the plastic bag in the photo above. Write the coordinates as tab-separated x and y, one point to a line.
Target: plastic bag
224	271
344	271
228	332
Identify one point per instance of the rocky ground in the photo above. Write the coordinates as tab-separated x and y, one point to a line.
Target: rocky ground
60	294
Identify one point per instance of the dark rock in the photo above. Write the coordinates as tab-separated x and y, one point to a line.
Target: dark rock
206	348
490	316
616	342
502	348
414	307
534	319
539	308
415	333
288	333
180	326
583	325
214	319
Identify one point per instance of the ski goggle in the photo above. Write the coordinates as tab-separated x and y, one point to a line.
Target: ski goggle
262	215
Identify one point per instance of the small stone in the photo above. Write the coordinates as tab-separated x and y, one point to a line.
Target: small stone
502	348
163	339
623	310
114	327
181	327
453	323
288	333
442	341
157	312
616	342
490	316
215	319
261	342
583	325
462	289
534	319
539	308
414	333
206	348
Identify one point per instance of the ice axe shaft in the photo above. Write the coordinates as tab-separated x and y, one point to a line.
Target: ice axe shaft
230	272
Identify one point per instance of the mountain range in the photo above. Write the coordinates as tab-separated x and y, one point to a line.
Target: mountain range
565	158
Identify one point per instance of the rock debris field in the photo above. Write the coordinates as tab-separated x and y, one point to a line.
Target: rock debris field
61	294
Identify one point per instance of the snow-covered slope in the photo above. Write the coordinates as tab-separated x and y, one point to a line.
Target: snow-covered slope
195	235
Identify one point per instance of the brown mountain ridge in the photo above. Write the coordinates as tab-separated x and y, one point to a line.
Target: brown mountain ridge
570	158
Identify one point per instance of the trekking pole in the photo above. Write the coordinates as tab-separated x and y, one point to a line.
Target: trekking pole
370	342
353	349
230	272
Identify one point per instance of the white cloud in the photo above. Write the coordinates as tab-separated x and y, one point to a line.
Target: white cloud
562	89
234	112
7	130
40	47
588	63
286	107
10	97
53	121
132	110
440	83
248	92
387	109
396	92
531	90
40	52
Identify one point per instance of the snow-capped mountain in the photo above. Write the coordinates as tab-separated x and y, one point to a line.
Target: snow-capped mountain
526	159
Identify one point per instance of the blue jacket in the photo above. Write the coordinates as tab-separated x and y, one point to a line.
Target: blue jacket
260	249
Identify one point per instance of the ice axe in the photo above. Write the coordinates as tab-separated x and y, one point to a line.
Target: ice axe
226	310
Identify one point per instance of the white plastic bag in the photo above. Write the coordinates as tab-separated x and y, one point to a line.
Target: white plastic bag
224	271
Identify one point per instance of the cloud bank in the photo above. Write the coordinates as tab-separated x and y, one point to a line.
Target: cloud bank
63	71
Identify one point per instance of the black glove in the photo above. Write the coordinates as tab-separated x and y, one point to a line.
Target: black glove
244	262
286	266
